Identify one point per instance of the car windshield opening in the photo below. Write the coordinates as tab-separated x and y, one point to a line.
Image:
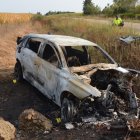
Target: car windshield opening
84	55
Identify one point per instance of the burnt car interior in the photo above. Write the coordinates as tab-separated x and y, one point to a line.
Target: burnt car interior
76	57
83	55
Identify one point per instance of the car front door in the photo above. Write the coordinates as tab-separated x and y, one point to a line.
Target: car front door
49	71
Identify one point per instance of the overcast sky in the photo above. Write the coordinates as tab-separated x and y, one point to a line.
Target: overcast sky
43	6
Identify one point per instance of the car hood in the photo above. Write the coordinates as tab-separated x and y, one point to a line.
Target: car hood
82	81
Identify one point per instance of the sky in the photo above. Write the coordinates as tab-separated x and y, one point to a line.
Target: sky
43	6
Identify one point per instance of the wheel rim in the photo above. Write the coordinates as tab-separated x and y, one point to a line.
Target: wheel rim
67	111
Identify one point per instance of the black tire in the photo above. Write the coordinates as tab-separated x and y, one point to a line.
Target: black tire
68	110
18	72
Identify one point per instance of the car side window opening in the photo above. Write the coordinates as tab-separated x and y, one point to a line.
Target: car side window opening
50	55
33	45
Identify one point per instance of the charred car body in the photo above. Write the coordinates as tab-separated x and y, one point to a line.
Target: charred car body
78	75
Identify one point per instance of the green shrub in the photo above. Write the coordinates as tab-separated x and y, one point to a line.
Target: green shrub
128	15
37	17
137	9
137	16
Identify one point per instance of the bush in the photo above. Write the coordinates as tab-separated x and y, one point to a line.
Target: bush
137	9
37	17
128	15
108	11
137	16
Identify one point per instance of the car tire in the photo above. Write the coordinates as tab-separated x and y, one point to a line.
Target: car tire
68	110
18	72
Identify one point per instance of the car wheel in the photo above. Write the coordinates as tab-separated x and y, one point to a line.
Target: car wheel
18	72
68	110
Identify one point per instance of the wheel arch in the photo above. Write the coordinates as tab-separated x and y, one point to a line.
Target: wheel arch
18	71
69	95
22	67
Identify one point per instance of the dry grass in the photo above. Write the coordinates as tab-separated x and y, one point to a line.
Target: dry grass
14	18
11	26
106	36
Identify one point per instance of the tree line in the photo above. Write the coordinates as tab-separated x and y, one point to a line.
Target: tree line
125	8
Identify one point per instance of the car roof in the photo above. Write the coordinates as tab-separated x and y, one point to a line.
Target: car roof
64	40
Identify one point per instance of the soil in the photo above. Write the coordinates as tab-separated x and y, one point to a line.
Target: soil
15	98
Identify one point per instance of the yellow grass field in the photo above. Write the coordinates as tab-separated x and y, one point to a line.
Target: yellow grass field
14	18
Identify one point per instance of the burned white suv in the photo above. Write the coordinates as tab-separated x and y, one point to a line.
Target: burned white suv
76	74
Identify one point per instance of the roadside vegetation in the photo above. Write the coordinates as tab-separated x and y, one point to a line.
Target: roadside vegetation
124	8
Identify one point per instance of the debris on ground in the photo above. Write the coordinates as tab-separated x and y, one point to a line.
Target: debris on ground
69	126
14	81
31	120
58	120
7	130
129	39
